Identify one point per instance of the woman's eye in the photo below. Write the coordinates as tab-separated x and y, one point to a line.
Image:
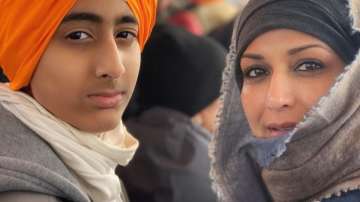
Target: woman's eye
255	72
309	66
79	35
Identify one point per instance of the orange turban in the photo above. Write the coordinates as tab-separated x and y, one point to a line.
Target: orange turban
27	28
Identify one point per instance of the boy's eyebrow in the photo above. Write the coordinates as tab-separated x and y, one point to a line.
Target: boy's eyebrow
94	18
126	19
83	17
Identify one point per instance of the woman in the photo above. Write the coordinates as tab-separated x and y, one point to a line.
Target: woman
291	133
72	67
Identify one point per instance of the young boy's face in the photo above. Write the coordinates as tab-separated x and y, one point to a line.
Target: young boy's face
88	72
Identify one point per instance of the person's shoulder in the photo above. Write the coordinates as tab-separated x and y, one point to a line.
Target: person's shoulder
28	197
9	124
350	196
28	163
20	142
5	117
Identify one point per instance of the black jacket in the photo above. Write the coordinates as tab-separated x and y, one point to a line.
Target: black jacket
172	163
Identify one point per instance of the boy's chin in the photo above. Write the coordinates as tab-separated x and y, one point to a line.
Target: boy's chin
100	126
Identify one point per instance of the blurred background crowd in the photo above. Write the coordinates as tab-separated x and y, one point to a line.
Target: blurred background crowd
212	18
174	107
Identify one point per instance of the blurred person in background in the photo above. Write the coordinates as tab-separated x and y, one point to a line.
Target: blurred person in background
214	13
199	17
177	102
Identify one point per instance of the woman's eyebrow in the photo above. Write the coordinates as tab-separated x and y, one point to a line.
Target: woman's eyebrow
94	18
302	48
252	56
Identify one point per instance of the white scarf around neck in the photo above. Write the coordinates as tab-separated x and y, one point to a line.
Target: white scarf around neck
91	157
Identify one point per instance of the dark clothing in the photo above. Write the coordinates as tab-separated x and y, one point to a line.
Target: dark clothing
180	71
28	164
172	163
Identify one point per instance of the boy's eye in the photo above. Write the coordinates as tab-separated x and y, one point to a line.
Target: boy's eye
79	35
125	35
309	66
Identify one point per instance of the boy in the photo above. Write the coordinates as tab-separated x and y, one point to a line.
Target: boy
72	67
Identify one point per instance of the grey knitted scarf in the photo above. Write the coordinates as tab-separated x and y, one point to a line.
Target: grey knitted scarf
320	158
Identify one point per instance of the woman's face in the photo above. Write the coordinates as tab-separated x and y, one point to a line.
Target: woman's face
285	73
88	72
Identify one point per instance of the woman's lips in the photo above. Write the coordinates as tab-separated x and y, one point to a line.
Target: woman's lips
276	130
107	99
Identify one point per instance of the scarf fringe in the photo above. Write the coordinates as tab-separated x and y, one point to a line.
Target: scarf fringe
339	190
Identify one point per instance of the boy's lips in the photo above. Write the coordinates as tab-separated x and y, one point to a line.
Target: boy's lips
107	99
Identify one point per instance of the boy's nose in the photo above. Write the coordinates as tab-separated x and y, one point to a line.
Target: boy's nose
111	61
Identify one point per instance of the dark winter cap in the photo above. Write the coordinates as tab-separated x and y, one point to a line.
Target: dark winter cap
327	20
180	71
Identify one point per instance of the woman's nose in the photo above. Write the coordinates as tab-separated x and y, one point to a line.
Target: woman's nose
280	94
110	64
